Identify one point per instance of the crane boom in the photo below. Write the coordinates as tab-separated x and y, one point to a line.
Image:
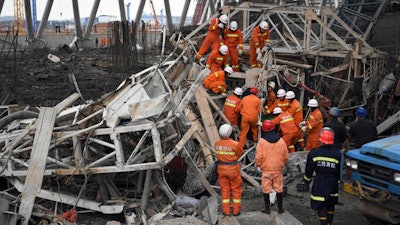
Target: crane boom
154	13
18	15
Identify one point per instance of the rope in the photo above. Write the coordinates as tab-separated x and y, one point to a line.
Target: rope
375	195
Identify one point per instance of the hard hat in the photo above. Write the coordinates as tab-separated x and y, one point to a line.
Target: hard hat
254	90
233	25
264	25
267	126
290	95
277	110
225	130
223	49
271	84
281	93
223	18
312	103
238	91
327	136
334	111
360	111
228	69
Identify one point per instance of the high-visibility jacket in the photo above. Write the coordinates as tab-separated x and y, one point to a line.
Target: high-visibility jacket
325	161
314	125
231	108
234	41
228	152
288	129
297	112
258	40
213	38
282	103
216	61
271	98
249	109
216	82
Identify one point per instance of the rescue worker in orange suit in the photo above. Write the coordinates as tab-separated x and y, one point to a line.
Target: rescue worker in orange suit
313	125
281	102
325	161
271	157
213	37
338	127
249	110
271	96
362	130
259	38
218	59
287	127
234	40
228	152
231	106
297	112
216	81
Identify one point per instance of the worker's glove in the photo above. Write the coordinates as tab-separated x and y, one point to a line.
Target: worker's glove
259	57
304	129
258	51
259	123
265	48
259	169
240	52
221	25
202	60
302	124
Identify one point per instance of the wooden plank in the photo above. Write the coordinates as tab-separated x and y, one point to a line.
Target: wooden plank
388	123
251	180
41	144
206	115
67	102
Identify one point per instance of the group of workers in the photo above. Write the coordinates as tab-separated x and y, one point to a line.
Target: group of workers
282	133
226	43
280	136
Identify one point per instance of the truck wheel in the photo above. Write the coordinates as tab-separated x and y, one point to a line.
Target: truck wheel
376	221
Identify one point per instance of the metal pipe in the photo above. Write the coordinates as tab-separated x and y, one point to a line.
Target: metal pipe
28	17
1	5
45	18
184	14
91	18
140	11
122	10
169	17
77	19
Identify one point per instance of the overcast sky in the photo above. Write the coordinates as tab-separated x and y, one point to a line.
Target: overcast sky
62	9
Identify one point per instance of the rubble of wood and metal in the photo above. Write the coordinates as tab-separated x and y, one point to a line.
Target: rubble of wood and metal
145	150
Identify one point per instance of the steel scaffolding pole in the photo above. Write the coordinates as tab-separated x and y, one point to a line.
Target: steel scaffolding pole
77	19
184	13
122	10
28	17
45	18
93	13
169	17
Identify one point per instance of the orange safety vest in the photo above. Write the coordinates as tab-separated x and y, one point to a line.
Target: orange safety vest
232	102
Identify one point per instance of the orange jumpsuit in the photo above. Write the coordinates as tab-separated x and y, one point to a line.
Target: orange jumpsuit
216	61
234	40
232	103
297	112
271	98
283	104
314	125
228	152
258	40
212	39
271	158
216	82
288	129
249	109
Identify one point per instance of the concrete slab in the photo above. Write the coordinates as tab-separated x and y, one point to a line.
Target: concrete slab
259	218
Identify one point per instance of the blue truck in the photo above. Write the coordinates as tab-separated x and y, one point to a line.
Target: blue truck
375	171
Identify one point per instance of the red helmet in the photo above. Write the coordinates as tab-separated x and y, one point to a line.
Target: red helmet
326	136
267	126
254	90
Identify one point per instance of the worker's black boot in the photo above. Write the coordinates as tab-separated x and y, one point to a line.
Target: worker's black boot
267	209
330	213
279	197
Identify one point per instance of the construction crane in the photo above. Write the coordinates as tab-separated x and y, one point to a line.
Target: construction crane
18	15
157	25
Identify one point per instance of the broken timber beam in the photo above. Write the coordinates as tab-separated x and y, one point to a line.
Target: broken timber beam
34	178
388	123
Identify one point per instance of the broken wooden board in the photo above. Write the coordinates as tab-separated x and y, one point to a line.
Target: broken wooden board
41	144
206	115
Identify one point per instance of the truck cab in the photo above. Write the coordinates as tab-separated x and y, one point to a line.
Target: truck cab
375	171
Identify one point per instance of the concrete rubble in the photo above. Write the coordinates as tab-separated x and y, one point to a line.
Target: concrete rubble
145	150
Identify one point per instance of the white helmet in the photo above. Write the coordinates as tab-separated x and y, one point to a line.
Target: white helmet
290	95
271	84
312	103
281	93
228	69
233	25
277	110
225	130
264	25
223	49
238	91
223	18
